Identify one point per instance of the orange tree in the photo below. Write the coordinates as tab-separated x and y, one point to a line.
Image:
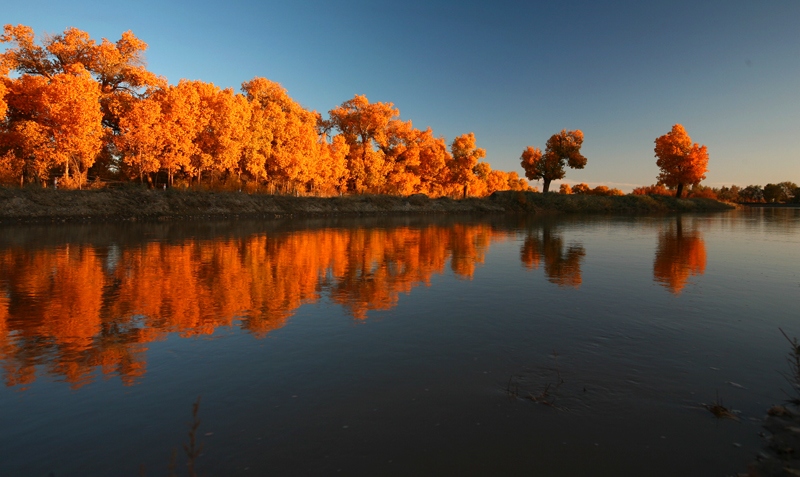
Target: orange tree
563	149
682	163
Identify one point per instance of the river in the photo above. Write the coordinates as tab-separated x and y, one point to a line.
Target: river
562	345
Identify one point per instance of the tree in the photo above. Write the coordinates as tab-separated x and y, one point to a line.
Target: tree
682	163
752	193
140	141
364	125
54	123
781	192
465	158
582	188
562	149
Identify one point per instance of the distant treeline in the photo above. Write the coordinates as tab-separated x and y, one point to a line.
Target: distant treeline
782	192
75	110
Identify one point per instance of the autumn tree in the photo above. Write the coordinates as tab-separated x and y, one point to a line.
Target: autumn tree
286	138
140	141
433	160
55	123
682	163
562	149
465	156
581	188
364	126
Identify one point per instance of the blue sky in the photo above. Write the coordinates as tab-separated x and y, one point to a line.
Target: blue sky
512	72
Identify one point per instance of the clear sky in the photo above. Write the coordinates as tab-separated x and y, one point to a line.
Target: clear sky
512	72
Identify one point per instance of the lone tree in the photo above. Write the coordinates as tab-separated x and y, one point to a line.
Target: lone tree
682	163
563	149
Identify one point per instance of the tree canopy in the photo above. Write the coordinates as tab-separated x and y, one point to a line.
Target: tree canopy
75	109
562	149
682	163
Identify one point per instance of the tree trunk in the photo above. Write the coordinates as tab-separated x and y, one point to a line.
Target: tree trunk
679	191
546	187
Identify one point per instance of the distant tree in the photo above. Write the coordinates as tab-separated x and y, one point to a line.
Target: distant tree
605	191
728	194
790	190
565	189
700	191
752	193
773	193
682	163
562	149
655	189
581	188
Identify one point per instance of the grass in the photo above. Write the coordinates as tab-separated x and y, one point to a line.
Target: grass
719	410
793	360
192	449
45	205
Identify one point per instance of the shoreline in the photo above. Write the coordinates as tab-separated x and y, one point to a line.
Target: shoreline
33	205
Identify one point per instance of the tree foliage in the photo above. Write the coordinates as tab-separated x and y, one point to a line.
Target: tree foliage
562	150
76	107
682	163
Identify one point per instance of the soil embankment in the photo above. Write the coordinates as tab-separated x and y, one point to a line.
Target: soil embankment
46	205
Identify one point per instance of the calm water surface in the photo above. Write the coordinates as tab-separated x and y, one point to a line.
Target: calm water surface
455	346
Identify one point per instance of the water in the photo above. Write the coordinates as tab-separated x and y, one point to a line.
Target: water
407	346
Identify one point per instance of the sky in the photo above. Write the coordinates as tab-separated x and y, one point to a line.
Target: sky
512	72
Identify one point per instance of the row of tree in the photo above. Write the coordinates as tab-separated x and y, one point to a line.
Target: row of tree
682	163
782	192
74	109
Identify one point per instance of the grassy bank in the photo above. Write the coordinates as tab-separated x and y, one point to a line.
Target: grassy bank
45	205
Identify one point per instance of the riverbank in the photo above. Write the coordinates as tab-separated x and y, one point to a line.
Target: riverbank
31	205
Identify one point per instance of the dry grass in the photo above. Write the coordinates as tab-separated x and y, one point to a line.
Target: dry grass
138	203
719	410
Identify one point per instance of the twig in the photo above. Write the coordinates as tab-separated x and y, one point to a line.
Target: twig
193	449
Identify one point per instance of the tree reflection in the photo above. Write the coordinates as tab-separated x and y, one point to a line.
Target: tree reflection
679	254
562	267
76	309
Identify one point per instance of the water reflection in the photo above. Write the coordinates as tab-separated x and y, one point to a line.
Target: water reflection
679	254
75	308
562	267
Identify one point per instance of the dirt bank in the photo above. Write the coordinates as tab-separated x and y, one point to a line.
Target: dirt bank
45	205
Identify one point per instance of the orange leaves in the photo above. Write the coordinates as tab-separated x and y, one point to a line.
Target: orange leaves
71	102
68	87
199	133
55	122
531	162
465	157
563	149
284	136
140	140
682	163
